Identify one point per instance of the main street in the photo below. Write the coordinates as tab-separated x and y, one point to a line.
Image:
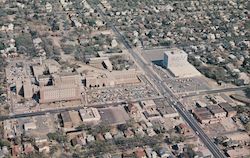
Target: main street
166	92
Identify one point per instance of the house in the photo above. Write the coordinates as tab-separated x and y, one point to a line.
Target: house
16	150
139	153
133	110
78	141
163	152
150	153
118	135
42	147
182	128
128	133
90	138
99	137
150	132
107	136
28	148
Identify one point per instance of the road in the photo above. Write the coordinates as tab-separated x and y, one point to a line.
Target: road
53	111
192	94
59	110
166	92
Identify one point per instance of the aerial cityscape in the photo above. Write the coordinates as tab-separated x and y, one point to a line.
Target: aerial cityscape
124	78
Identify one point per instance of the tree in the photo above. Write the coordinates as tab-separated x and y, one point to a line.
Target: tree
2	46
246	64
247	92
247	126
24	44
4	143
57	136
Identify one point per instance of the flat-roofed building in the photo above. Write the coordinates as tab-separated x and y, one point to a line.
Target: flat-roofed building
37	70
90	115
133	109
108	65
168	112
27	89
238	152
29	126
229	109
175	60
65	87
217	111
165	109
151	113
66	119
19	86
112	78
147	103
241	137
204	116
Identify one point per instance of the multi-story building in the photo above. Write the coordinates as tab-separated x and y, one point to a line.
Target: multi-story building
175	58
176	61
64	87
112	78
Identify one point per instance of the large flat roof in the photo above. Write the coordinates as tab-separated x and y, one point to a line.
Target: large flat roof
174	51
185	71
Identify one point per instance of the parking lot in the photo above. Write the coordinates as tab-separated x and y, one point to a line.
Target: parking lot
122	92
183	85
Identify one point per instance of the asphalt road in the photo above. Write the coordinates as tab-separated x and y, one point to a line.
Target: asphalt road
207	92
76	108
52	111
165	91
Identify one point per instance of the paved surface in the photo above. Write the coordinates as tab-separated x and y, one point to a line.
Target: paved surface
59	110
170	97
215	91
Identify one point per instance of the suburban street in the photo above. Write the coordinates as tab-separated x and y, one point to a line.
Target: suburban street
192	94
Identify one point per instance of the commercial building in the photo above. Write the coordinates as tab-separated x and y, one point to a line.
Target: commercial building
151	113
147	104
24	88
64	87
176	61
112	78
108	65
49	66
229	109
27	89
165	109
90	115
204	116
19	86
217	111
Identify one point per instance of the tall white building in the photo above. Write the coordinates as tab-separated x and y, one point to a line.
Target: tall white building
174	58
176	61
